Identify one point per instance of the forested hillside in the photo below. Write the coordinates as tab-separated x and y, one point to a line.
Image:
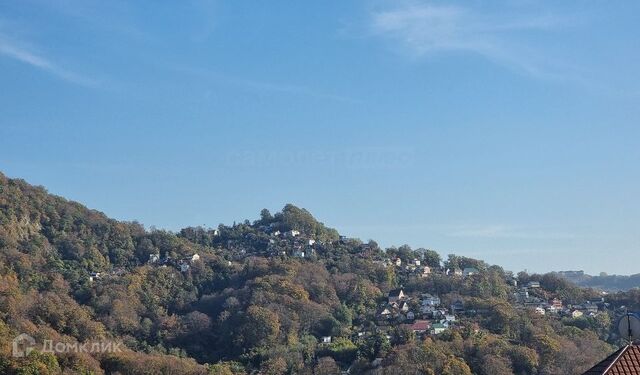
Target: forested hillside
283	294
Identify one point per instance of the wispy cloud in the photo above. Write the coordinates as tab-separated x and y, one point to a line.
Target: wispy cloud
428	28
20	52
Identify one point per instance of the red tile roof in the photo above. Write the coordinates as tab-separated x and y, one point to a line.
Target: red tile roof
421	325
625	361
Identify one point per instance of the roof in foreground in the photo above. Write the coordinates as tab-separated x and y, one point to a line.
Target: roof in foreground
625	361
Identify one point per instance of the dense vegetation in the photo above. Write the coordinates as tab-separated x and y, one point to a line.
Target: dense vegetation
260	298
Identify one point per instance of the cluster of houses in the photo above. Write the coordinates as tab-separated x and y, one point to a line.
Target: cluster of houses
424	315
296	245
524	298
183	264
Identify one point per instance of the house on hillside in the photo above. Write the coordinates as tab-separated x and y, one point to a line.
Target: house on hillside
397	262
426	270
154	258
396	295
469	271
411	315
576	314
430	300
533	284
294	233
438	328
421	326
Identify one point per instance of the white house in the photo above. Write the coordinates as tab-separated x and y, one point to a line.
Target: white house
195	257
450	318
326	339
540	310
416	262
153	258
438	328
294	233
469	271
426	270
430	300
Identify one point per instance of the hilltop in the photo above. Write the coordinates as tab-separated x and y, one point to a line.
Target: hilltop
281	294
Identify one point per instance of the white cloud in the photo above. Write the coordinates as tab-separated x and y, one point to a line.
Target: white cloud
18	51
426	29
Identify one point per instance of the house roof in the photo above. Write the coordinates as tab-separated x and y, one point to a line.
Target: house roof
625	361
421	325
395	293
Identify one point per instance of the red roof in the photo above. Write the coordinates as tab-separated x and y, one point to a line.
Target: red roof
421	325
625	361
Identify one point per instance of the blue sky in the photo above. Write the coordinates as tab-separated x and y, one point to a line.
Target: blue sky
502	130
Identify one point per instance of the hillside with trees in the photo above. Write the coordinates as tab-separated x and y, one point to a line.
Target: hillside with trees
283	294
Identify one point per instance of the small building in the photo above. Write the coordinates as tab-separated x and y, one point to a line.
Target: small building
154	258
540	310
411	315
294	233
184	267
420	326
326	339
397	262
438	328
195	257
416	262
469	271
396	295
450	318
426	270
533	284
576	314
430	300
